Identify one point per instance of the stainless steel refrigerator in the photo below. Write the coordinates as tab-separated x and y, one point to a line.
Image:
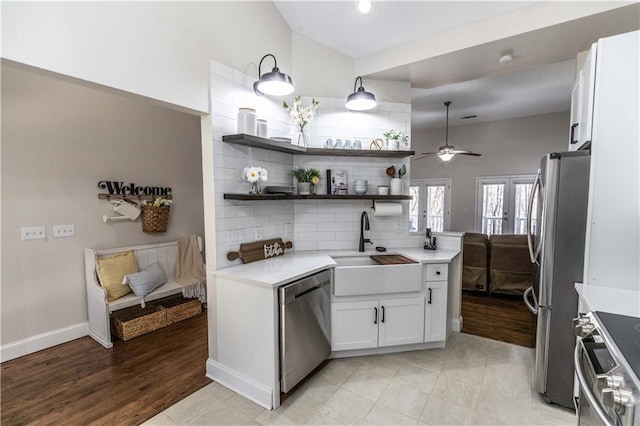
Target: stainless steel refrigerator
556	246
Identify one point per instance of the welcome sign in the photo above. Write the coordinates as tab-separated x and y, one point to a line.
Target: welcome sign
120	188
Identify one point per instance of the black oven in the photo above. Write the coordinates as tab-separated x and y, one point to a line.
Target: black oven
607	361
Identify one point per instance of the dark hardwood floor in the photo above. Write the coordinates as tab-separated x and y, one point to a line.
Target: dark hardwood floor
81	383
497	317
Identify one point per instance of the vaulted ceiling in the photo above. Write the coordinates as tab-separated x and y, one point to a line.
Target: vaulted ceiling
419	42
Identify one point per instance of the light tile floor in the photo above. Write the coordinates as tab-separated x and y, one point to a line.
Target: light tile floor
473	381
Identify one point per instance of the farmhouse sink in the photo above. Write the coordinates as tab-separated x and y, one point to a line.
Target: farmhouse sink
360	275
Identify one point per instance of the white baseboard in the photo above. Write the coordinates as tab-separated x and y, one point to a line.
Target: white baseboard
43	341
456	324
240	384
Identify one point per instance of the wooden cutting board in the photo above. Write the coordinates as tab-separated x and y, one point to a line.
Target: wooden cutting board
259	250
392	259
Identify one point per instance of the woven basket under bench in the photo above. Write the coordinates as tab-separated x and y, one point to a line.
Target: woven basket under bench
136	321
179	308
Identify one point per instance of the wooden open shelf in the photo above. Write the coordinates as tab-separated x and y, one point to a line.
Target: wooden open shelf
271	197
258	142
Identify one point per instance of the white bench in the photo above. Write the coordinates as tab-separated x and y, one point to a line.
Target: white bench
100	309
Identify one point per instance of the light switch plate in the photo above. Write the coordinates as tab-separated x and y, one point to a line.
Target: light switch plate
33	233
63	231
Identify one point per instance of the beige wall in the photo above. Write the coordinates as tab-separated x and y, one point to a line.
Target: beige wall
58	140
508	147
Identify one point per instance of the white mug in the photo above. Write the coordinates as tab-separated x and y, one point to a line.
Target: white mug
339	144
357	144
347	144
329	143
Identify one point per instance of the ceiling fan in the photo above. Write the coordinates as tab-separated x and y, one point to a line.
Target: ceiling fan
447	151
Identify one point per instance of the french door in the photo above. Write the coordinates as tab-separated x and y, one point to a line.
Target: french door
429	205
501	204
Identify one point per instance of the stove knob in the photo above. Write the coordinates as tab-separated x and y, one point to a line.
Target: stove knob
618	399
609	380
583	326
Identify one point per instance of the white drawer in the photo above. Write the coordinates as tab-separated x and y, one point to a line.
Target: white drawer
437	271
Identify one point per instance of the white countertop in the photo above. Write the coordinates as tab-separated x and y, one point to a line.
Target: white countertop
609	299
291	266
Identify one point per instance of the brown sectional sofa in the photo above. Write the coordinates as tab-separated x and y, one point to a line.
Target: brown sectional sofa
498	264
475	255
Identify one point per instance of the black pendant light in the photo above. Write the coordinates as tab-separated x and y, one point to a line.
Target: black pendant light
360	100
273	83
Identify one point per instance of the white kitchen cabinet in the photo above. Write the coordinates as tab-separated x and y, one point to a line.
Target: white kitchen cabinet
612	246
582	122
435	311
574	117
354	325
376	323
400	321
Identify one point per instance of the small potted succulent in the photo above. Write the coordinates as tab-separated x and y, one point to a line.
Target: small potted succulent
395	139
305	178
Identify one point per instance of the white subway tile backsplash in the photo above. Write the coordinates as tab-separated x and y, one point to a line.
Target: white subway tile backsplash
305	245
315	217
314	224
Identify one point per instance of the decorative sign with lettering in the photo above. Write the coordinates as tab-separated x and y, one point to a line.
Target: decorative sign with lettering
260	250
120	188
271	250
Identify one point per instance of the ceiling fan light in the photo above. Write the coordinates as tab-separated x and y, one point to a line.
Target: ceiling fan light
446	156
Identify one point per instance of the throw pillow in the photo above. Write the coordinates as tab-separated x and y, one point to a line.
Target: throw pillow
143	283
111	271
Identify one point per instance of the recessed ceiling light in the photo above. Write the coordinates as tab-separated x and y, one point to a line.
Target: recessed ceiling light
365	6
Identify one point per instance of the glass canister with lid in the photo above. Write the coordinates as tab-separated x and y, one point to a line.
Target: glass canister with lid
247	123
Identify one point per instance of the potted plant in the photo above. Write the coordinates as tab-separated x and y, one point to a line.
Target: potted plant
305	178
395	139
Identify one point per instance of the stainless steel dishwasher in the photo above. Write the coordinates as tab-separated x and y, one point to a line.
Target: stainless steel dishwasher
305	327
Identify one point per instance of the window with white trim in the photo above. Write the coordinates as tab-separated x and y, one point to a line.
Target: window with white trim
502	204
429	205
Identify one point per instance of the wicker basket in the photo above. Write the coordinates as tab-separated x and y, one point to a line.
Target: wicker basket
135	321
155	219
179	308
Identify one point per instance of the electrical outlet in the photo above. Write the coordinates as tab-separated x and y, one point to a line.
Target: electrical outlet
63	231
33	233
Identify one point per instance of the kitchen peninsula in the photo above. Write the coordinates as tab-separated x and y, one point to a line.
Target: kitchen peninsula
248	314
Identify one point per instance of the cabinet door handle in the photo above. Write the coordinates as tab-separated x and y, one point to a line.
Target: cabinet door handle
429	301
573	133
437	272
382	320
375	315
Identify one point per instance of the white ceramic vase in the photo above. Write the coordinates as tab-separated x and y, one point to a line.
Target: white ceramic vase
395	186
